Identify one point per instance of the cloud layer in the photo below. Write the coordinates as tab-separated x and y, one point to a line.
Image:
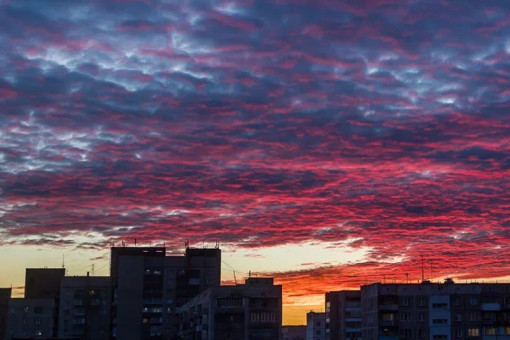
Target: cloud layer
262	123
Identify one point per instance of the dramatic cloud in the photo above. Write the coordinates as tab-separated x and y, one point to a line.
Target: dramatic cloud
380	125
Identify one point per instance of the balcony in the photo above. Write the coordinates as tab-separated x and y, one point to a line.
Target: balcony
494	306
388	337
387	323
353	330
358	319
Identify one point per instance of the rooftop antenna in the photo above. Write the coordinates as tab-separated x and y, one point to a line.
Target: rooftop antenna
63	261
135	241
92	271
235	280
249	273
422	271
407	277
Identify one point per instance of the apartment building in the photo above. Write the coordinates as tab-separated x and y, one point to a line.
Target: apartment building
85	303
315	326
436	311
250	311
5	298
343	315
149	286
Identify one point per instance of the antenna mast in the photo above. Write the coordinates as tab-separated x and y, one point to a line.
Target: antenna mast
422	271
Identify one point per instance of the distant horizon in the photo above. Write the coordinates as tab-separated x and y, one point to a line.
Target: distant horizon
293	315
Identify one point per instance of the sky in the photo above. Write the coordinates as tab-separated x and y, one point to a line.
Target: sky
326	143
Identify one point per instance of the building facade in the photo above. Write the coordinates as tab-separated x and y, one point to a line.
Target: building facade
149	286
315	326
293	332
85	303
31	318
252	311
5	297
343	315
436	311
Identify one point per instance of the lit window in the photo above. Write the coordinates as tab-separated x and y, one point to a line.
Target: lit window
473	332
490	331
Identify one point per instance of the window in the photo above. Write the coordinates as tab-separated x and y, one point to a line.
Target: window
421	333
388	317
229	302
406	333
404	301
26	309
318	324
490	316
37	321
474	316
318	332
473	301
473	332
422	317
439	321
406	317
194	281
440	337
263	317
440	305
458	317
38	310
490	331
422	301
458	332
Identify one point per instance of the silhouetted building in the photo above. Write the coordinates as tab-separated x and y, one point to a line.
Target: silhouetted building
43	282
293	332
31	318
252	311
343	315
315	326
36	315
85	303
436	311
149	286
5	297
115	254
